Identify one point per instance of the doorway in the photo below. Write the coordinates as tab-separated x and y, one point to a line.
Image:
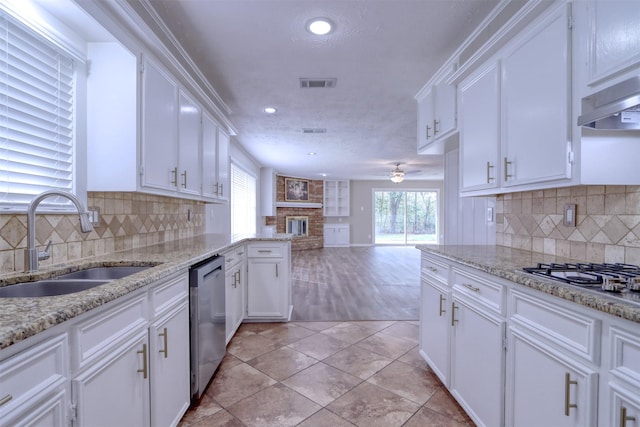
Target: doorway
405	217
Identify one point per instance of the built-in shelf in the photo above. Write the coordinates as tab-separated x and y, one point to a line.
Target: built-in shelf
336	198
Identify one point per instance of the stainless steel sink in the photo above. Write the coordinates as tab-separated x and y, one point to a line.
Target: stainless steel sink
68	283
47	288
102	273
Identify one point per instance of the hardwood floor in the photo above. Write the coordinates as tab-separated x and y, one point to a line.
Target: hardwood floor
361	283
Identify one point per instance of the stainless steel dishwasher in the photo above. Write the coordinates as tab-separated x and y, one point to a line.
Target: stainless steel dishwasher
207	322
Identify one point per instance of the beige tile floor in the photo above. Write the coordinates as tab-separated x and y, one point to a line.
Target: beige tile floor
333	374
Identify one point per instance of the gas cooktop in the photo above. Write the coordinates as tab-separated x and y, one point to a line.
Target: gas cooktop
618	280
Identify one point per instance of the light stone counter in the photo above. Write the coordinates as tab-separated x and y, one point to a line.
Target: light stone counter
508	263
21	318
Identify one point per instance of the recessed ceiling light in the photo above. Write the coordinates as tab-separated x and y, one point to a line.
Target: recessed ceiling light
320	26
270	110
311	153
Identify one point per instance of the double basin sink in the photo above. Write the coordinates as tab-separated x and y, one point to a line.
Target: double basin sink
69	283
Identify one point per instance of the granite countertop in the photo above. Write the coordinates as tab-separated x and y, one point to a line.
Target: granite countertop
21	318
508	263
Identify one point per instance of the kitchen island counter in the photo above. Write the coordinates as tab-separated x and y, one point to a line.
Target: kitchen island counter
508	263
21	318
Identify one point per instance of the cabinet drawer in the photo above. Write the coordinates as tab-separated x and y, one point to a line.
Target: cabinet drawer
479	289
566	328
434	268
625	355
46	367
166	295
100	332
234	257
265	251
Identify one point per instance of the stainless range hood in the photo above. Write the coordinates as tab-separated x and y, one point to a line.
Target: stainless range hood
615	108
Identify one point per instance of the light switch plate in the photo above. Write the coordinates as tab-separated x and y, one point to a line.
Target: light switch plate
569	219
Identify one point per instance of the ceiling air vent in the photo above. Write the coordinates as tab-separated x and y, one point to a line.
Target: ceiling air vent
314	130
319	83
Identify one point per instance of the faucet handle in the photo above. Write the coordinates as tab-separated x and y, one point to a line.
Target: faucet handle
42	255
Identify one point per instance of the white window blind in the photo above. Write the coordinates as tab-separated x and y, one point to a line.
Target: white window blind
243	201
36	117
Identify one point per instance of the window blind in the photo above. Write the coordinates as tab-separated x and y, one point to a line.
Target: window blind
36	117
243	201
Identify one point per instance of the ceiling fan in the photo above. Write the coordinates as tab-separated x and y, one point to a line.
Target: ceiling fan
397	175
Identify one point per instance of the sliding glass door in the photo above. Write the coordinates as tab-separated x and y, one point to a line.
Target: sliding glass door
405	217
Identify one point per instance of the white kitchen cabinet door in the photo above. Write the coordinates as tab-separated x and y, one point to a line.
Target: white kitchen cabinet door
624	406
425	120
266	289
115	390
444	110
159	128
224	187
435	326
234	293
536	103
480	129
478	362
613	35
336	235
547	388
189	125
209	157
170	367
51	410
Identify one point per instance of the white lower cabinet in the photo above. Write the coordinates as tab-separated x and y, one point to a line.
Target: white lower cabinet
435	325
621	403
168	362
336	235
42	397
477	361
546	387
115	390
624	406
268	286
235	282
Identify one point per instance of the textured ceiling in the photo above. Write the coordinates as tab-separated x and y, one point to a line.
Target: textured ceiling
382	52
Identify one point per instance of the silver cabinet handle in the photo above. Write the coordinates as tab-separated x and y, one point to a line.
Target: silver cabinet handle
568	382
165	350
174	174
435	127
427	134
5	399
624	418
442	310
432	269
507	175
143	352
489	178
264	251
453	314
184	179
471	287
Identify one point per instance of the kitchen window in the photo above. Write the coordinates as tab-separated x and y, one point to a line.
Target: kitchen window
405	217
243	201
38	112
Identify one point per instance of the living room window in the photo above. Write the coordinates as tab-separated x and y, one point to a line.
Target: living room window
37	119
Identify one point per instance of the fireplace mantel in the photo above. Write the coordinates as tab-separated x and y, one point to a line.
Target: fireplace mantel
303	205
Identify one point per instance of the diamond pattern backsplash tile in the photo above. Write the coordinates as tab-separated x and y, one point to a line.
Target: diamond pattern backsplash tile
607	222
127	220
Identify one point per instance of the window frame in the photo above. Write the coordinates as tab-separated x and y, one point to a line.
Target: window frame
250	207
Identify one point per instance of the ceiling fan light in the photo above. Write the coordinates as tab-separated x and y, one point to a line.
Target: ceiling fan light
397	175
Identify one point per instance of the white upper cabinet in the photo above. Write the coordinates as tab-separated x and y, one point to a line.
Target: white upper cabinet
536	103
515	112
224	188
613	35
436	113
209	157
336	198
159	128
189	120
480	128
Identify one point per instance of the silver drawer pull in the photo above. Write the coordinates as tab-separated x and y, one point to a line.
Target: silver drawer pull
471	287
264	251
240	253
433	269
229	259
5	399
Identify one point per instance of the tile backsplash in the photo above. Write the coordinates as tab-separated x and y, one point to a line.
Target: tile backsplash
607	222
127	220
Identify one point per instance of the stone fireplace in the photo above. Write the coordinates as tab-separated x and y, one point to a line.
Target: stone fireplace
310	209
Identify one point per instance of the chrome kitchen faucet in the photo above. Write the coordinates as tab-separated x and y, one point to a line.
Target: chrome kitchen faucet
31	254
